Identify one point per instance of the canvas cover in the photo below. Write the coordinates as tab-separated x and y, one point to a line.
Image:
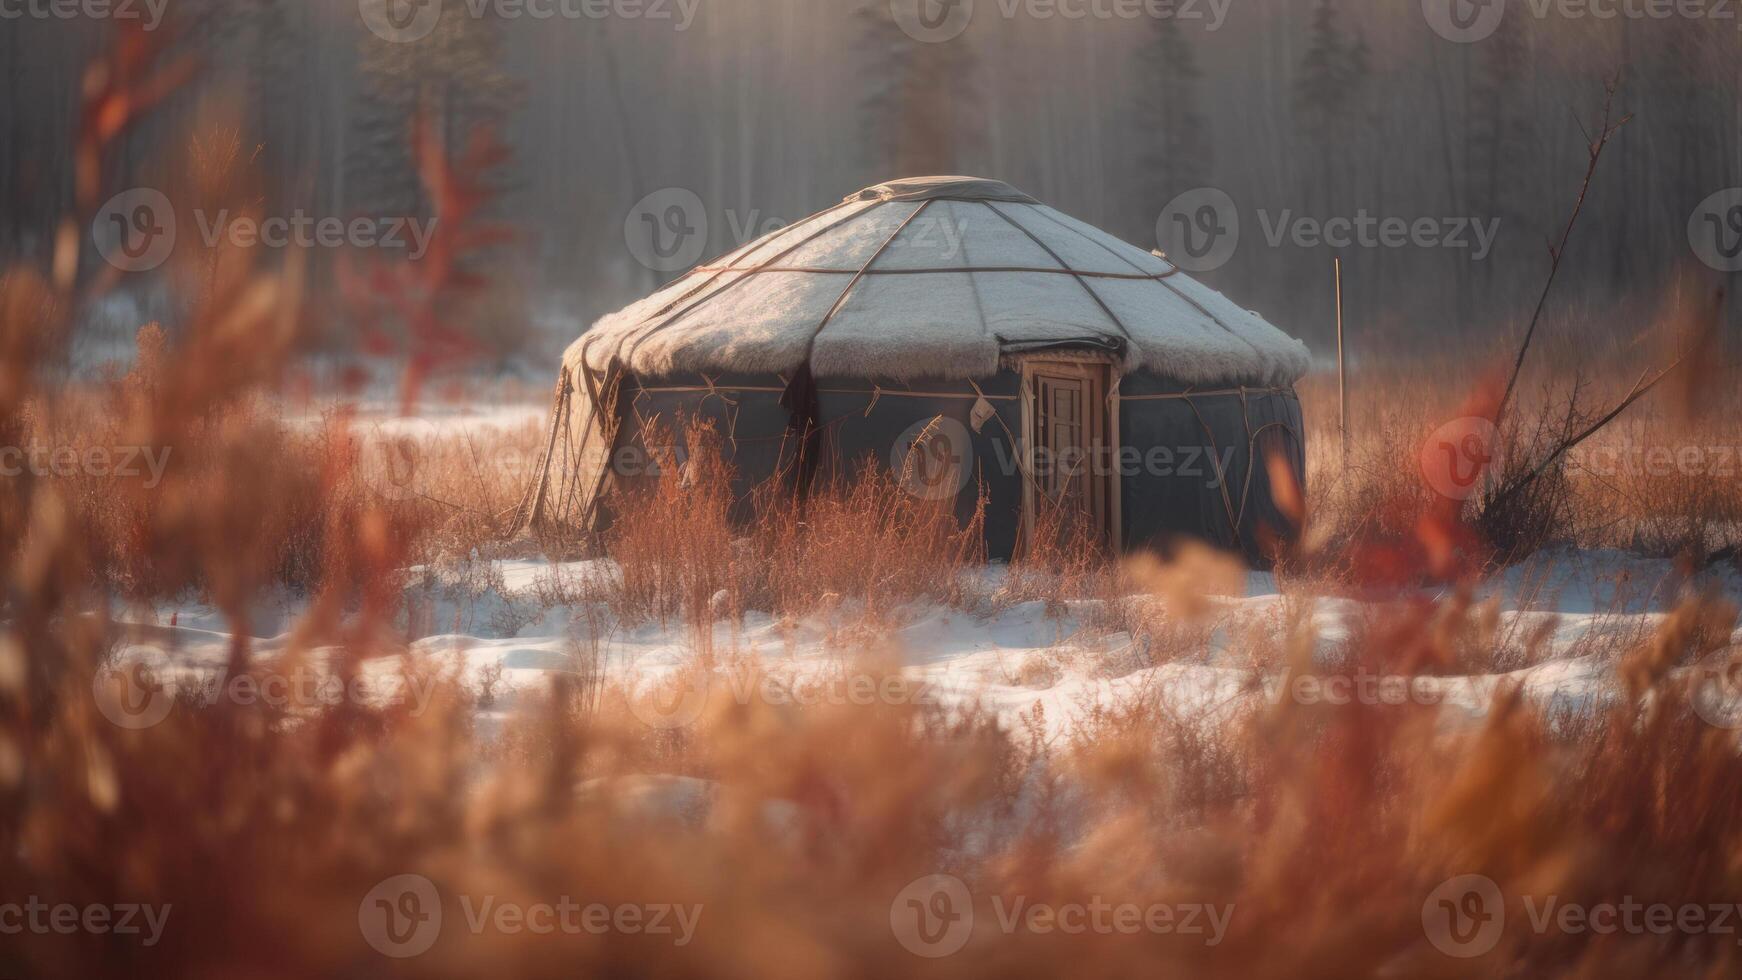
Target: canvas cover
1212	481
822	343
936	278
933	188
572	474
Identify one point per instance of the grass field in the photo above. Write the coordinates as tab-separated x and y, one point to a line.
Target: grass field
1438	738
845	822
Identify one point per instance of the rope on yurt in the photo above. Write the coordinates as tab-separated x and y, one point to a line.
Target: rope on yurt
581	502
1021	460
800	397
980	394
532	499
1252	455
879	391
565	494
748	274
979	301
1221	478
810	270
1170	286
708	388
750	270
1237	518
1078	276
1173	271
1190	393
707	391
553	505
840	301
714	391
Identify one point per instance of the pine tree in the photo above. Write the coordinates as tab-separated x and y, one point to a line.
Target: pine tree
1318	90
1357	147
1175	136
1357	67
454	78
1495	141
1318	100
923	118
1330	98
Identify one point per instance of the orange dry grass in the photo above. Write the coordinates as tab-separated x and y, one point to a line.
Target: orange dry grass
1324	828
673	540
865	539
678	553
1664	480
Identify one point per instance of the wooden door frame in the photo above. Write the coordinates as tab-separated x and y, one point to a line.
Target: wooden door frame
1102	404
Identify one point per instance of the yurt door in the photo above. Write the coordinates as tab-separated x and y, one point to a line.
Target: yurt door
1072	485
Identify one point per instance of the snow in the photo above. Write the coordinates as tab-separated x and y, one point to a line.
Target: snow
937	288
383	415
506	625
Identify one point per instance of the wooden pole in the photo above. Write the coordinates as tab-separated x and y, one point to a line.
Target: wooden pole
1342	377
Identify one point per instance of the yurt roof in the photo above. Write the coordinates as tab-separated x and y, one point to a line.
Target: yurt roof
937	277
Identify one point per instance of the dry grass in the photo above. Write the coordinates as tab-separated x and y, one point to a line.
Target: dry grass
863	540
1665	480
1322	828
858	545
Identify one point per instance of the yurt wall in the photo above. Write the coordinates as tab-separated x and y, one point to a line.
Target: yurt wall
1208	476
860	423
955	458
745	412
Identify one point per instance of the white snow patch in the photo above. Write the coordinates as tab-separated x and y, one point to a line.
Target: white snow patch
527	626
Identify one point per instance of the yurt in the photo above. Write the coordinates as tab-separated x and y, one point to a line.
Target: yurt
970	338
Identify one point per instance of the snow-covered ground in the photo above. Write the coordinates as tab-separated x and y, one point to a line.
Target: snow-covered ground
507	627
443	420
